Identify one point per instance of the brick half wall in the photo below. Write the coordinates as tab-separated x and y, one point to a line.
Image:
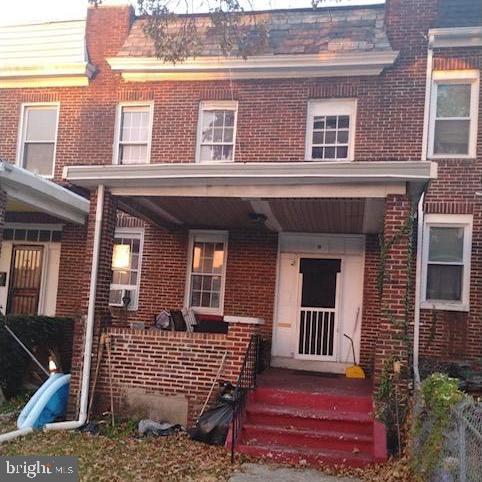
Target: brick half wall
181	366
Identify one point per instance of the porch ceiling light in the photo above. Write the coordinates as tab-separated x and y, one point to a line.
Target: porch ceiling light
121	256
257	218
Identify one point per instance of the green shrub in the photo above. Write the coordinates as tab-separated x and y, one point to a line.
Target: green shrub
35	332
439	394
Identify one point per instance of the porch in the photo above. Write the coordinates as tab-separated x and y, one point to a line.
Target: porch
286	250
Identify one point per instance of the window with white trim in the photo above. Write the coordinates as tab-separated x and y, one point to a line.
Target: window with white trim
126	268
133	136
38	138
216	131
330	131
207	271
447	248
453	114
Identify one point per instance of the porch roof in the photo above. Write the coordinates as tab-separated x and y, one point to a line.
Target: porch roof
137	178
346	197
30	192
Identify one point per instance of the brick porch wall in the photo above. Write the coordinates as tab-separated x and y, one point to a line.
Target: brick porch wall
170	363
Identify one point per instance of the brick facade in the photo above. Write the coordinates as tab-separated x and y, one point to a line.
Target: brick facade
271	127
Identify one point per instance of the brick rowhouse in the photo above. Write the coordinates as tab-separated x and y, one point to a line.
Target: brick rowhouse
271	127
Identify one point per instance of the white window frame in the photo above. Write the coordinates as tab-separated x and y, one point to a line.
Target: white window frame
22	132
118	122
206	236
455	77
464	221
216	105
329	107
131	233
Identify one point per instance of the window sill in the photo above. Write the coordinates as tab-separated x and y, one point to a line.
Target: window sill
450	157
444	306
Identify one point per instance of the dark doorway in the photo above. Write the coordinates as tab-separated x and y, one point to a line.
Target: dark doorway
25	279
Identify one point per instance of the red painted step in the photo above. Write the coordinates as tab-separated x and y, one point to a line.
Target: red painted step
313	457
312	427
264	434
319	401
286	416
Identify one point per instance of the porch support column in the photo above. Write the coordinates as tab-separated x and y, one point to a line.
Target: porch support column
102	316
395	289
3	205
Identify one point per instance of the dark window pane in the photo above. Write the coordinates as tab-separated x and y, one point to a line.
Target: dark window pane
451	137
342	137
317	153
32	235
453	100
44	236
56	236
330	153
331	122
342	152
330	137
8	234
446	244
20	234
343	122
39	158
319	123
318	137
444	282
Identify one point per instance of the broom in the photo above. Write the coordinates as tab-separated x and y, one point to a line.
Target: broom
354	371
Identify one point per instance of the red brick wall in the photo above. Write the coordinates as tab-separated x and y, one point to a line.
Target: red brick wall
250	275
371	304
170	363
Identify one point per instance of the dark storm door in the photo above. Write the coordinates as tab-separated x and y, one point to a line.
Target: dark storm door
317	338
25	279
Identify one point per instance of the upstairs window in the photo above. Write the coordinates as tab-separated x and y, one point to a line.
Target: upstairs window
216	132
330	130
133	136
126	267
446	261
206	276
38	138
453	114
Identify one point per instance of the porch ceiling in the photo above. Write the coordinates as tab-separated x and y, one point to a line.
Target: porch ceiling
350	216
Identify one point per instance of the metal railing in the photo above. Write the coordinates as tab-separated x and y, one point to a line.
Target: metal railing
246	383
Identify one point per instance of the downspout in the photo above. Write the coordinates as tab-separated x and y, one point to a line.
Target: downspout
89	329
420	219
418	287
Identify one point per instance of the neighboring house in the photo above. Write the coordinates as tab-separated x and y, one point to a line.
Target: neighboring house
252	191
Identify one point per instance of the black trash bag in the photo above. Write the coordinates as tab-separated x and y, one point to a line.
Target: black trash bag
213	425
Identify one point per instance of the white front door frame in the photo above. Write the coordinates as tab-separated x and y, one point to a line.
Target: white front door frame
350	249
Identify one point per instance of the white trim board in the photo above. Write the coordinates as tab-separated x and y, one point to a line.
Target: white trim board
455	37
144	69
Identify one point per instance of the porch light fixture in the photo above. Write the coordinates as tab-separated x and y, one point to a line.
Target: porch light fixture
121	256
257	218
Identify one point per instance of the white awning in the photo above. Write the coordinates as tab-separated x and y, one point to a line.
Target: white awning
267	179
41	194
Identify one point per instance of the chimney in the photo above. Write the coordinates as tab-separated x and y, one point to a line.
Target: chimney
107	29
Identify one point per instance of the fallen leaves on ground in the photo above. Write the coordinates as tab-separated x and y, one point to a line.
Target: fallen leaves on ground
122	457
101	458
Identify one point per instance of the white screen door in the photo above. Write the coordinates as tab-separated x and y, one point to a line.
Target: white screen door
319	280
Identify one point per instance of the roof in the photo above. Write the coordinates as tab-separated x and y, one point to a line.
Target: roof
298	31
43	195
44	50
459	13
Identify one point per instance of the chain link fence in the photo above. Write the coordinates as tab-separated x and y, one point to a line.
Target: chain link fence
460	456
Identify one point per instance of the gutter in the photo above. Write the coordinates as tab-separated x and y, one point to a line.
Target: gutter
89	329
